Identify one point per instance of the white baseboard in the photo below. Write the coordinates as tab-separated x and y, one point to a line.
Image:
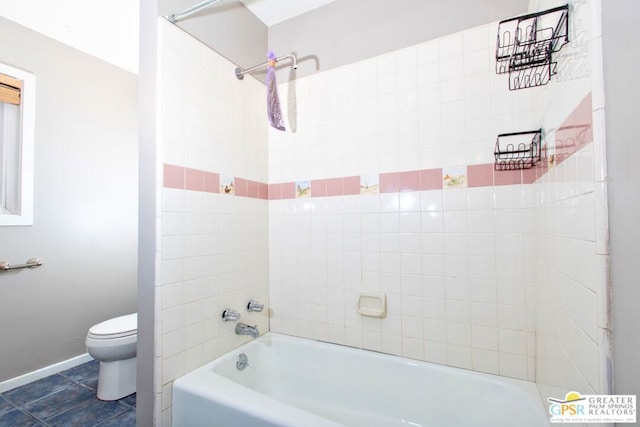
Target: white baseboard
43	372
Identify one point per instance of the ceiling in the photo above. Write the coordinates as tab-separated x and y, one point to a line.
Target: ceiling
272	12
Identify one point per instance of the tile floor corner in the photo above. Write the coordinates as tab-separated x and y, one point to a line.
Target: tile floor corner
65	399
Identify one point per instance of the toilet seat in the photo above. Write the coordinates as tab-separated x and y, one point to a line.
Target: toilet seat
119	327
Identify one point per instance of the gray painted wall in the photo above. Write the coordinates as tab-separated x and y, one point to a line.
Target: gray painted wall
351	30
228	27
622	96
85	205
334	35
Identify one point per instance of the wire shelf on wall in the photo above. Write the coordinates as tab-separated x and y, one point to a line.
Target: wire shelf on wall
526	44
518	150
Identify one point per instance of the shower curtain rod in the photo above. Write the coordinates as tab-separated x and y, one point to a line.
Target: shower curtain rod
175	17
240	72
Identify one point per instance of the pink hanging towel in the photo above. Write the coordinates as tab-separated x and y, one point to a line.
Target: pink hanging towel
273	102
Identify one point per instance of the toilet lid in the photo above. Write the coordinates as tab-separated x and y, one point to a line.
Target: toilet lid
122	326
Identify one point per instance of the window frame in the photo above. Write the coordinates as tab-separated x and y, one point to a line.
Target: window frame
26	143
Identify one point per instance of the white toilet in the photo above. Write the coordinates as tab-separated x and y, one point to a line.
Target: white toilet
113	343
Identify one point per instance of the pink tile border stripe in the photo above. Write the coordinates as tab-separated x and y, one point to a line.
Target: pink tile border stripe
426	179
431	179
211	182
193	179
574	133
183	178
351	185
173	176
420	180
482	175
190	179
346	186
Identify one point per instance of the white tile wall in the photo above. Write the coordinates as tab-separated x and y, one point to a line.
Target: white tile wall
476	247
213	250
441	279
506	280
573	341
425	106
454	285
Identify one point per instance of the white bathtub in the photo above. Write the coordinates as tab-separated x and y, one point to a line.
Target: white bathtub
303	383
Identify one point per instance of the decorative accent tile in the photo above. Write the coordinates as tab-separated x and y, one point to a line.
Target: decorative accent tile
549	153
227	185
370	184
454	177
303	189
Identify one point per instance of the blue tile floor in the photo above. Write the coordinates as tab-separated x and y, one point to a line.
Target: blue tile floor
66	399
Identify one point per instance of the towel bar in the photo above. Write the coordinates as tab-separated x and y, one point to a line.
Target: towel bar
31	263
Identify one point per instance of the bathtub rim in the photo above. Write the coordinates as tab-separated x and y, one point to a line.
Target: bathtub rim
235	395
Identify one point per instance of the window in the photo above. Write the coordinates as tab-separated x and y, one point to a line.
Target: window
17	119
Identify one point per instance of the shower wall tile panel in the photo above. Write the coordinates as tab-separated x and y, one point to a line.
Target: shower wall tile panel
572	330
469	264
444	235
213	247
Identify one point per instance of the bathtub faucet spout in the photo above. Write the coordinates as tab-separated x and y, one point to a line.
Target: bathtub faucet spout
244	329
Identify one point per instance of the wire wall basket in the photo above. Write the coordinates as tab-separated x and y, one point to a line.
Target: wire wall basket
526	44
518	150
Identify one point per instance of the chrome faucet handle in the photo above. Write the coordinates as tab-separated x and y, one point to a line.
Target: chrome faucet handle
230	315
255	306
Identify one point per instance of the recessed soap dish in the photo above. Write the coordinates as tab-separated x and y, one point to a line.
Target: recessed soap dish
372	305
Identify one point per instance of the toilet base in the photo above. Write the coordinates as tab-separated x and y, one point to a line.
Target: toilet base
117	379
